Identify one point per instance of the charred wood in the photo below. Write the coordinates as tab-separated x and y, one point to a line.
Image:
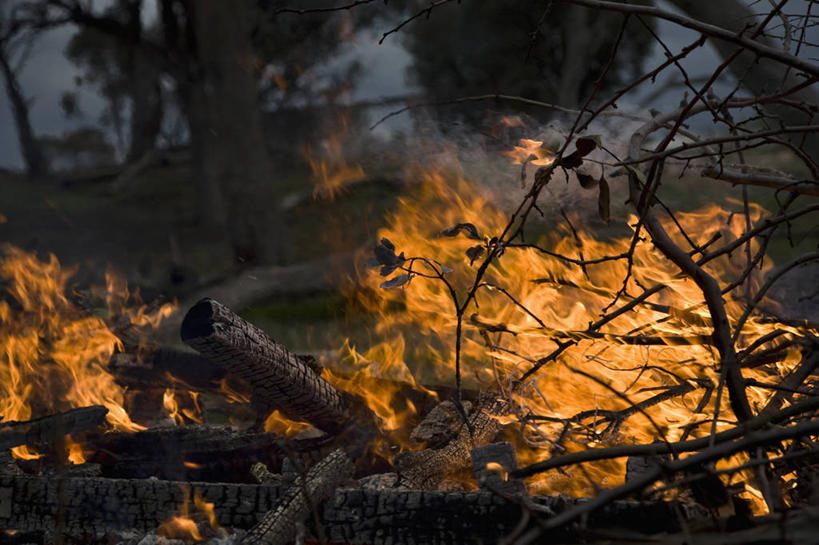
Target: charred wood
279	379
426	468
93	507
48	428
301	500
197	453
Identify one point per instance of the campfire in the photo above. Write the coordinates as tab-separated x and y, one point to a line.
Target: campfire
505	382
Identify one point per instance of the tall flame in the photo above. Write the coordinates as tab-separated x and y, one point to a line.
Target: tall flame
54	354
532	300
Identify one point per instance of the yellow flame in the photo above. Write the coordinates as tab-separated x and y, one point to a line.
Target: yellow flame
414	336
54	354
279	424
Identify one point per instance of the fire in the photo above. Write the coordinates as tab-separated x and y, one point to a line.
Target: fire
183	527
531	300
331	173
182	406
54	354
530	151
279	424
75	453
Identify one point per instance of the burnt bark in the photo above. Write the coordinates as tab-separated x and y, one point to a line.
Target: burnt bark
197	453
301	500
95	506
49	428
425	469
279	379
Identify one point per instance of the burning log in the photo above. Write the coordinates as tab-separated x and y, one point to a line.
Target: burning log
280	526
96	506
426	468
279	378
48	428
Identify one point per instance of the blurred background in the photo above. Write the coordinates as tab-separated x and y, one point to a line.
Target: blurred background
198	146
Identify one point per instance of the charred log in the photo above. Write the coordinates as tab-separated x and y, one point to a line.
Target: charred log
51	427
426	468
300	500
93	507
280	380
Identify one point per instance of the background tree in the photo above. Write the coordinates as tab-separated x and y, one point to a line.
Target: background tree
15	42
544	51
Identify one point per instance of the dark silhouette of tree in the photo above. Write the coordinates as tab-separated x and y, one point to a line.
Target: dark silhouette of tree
13	42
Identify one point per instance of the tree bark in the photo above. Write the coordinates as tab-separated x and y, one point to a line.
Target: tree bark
35	160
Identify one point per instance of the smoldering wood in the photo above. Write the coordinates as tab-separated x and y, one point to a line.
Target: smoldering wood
93	507
426	468
279	379
197	453
301	500
48	428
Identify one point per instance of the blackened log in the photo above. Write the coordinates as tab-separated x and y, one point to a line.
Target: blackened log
301	500
48	428
93	507
424	469
279	378
197	453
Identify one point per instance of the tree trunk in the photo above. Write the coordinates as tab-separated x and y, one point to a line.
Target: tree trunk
146	107
36	163
758	76
232	141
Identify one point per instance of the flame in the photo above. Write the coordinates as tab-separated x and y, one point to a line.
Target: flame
180	527
231	393
54	354
331	173
183	527
193	465
75	453
279	424
530	149
182	406
575	396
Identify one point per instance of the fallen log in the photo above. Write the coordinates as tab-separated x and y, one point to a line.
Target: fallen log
302	499
48	428
279	379
425	469
96	506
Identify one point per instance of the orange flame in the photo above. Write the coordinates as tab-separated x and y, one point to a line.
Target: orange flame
331	173
501	341
281	425
183	527
54	354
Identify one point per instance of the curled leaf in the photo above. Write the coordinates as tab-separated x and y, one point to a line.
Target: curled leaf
587	144
396	282
386	242
469	229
